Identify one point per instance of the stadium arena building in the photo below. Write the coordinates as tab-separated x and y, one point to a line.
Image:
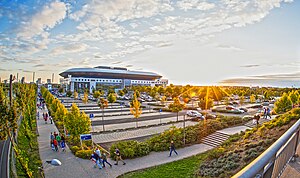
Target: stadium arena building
94	78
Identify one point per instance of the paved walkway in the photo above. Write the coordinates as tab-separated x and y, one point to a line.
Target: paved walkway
71	165
293	168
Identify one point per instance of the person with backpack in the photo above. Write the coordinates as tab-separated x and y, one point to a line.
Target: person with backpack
51	139
95	158
104	160
118	156
172	148
268	113
58	138
55	145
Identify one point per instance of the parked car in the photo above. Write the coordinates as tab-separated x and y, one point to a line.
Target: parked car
243	109
193	113
210	116
230	108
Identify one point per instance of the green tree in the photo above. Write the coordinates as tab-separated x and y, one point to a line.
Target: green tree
75	95
206	103
121	93
294	95
176	106
242	100
112	98
252	98
103	103
135	108
283	104
85	98
97	94
77	123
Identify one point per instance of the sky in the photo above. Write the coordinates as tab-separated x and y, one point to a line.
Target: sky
198	42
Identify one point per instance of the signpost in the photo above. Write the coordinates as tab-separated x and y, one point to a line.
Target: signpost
91	117
160	110
85	137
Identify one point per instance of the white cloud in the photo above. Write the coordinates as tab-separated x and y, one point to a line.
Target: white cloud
71	48
50	15
194	4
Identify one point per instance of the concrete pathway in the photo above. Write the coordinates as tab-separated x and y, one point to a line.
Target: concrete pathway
71	165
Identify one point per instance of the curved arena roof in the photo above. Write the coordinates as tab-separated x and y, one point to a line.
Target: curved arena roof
110	72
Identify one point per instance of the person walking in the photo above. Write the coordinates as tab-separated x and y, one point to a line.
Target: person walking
265	113
55	143
104	160
118	156
58	138
172	148
95	158
268	113
257	117
63	146
51	139
51	120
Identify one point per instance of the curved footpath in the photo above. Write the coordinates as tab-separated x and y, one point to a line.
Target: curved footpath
76	167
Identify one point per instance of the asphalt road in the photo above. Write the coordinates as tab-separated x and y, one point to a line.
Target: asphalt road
4	151
131	119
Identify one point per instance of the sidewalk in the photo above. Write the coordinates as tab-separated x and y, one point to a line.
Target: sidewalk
70	164
79	168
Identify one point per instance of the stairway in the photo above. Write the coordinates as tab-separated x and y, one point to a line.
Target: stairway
251	125
215	139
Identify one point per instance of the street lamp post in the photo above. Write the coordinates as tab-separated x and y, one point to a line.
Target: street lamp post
184	129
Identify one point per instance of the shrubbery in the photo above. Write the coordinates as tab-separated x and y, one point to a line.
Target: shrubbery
240	149
161	142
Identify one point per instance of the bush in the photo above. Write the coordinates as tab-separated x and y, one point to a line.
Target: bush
85	154
130	149
74	149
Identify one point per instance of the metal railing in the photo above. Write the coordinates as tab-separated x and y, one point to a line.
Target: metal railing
272	162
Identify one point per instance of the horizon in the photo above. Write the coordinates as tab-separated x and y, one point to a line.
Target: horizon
187	42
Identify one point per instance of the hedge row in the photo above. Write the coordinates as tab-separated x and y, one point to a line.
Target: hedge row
161	142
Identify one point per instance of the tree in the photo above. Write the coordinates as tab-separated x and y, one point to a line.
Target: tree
97	94
206	103
242	100
294	95
103	103
135	108
176	106
75	95
163	100
252	98
85	98
112	98
284	104
121	93
77	123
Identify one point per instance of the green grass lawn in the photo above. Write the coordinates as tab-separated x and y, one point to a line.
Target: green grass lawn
181	168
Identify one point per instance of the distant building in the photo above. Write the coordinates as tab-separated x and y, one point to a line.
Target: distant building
92	78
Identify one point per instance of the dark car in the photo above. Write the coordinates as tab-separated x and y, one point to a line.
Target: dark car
243	109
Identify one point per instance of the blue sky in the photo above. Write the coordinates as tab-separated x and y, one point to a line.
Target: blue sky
201	42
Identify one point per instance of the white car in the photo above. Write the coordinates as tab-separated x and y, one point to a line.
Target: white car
193	113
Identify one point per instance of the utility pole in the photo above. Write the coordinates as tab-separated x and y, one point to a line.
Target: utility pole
33	77
52	77
17	77
10	90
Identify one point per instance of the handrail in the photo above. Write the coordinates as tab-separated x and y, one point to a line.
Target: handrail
257	167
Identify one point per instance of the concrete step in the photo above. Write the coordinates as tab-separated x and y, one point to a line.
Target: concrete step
215	139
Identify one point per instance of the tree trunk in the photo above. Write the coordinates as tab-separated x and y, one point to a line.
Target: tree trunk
177	116
103	119
136	123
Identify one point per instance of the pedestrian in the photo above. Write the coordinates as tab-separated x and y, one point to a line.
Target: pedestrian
118	156
95	158
268	113
58	138
257	117
38	115
63	138
172	148
55	134
104	160
51	120
63	146
55	145
265	113
46	118
98	152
